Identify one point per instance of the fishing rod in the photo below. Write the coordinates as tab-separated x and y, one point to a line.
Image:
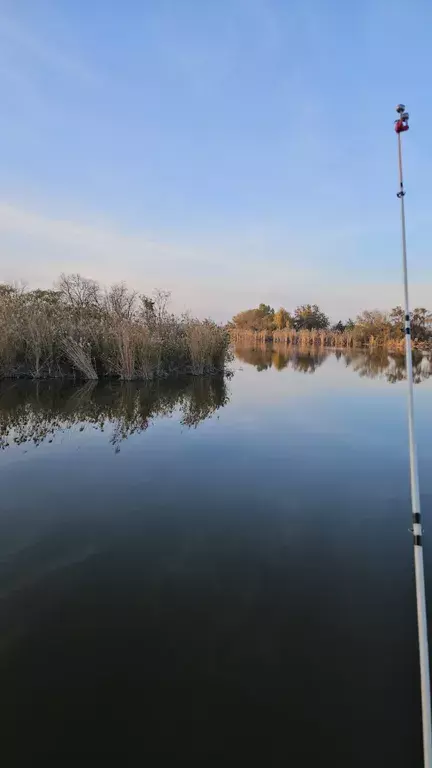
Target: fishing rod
401	125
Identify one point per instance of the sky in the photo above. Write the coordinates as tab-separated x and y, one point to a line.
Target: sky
230	151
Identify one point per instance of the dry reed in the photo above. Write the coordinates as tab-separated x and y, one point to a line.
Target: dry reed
322	338
80	332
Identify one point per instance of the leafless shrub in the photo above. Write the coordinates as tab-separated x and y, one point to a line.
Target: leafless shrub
120	302
79	292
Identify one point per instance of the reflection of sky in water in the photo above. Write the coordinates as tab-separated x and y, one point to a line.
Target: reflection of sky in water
268	544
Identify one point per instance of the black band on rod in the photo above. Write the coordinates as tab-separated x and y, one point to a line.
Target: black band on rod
418	541
416	518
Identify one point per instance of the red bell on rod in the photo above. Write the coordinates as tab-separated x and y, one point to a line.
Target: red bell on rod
401	124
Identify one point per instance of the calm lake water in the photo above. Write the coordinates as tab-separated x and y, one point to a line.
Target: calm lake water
214	572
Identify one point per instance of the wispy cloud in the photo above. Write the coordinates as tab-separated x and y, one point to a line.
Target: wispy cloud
99	247
206	279
212	278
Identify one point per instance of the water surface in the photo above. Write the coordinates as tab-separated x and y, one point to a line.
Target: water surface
210	572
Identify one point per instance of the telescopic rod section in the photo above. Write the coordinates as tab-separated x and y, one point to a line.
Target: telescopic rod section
401	125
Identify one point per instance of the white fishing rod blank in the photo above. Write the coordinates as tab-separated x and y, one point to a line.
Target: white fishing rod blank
401	125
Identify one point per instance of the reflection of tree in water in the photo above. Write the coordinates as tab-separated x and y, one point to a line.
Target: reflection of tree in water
377	364
280	356
260	357
307	362
36	411
370	365
382	364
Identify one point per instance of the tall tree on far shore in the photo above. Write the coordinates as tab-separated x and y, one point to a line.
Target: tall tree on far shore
338	327
309	317
282	319
260	319
421	322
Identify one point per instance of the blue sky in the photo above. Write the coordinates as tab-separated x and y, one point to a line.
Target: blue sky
231	151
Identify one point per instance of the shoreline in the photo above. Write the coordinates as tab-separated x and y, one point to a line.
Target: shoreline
324	340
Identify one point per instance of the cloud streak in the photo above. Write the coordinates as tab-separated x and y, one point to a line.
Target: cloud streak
216	280
207	280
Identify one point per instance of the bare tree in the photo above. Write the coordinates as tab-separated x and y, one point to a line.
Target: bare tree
160	302
80	292
154	310
121	302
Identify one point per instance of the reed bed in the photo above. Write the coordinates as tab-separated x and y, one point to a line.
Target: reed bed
79	331
324	338
320	338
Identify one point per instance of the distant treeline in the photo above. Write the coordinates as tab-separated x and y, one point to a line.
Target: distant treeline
78	330
309	325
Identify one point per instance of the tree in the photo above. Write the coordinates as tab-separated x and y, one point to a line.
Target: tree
261	319
282	319
421	321
48	297
397	316
148	310
373	326
265	309
338	327
309	317
248	320
161	300
121	302
79	292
